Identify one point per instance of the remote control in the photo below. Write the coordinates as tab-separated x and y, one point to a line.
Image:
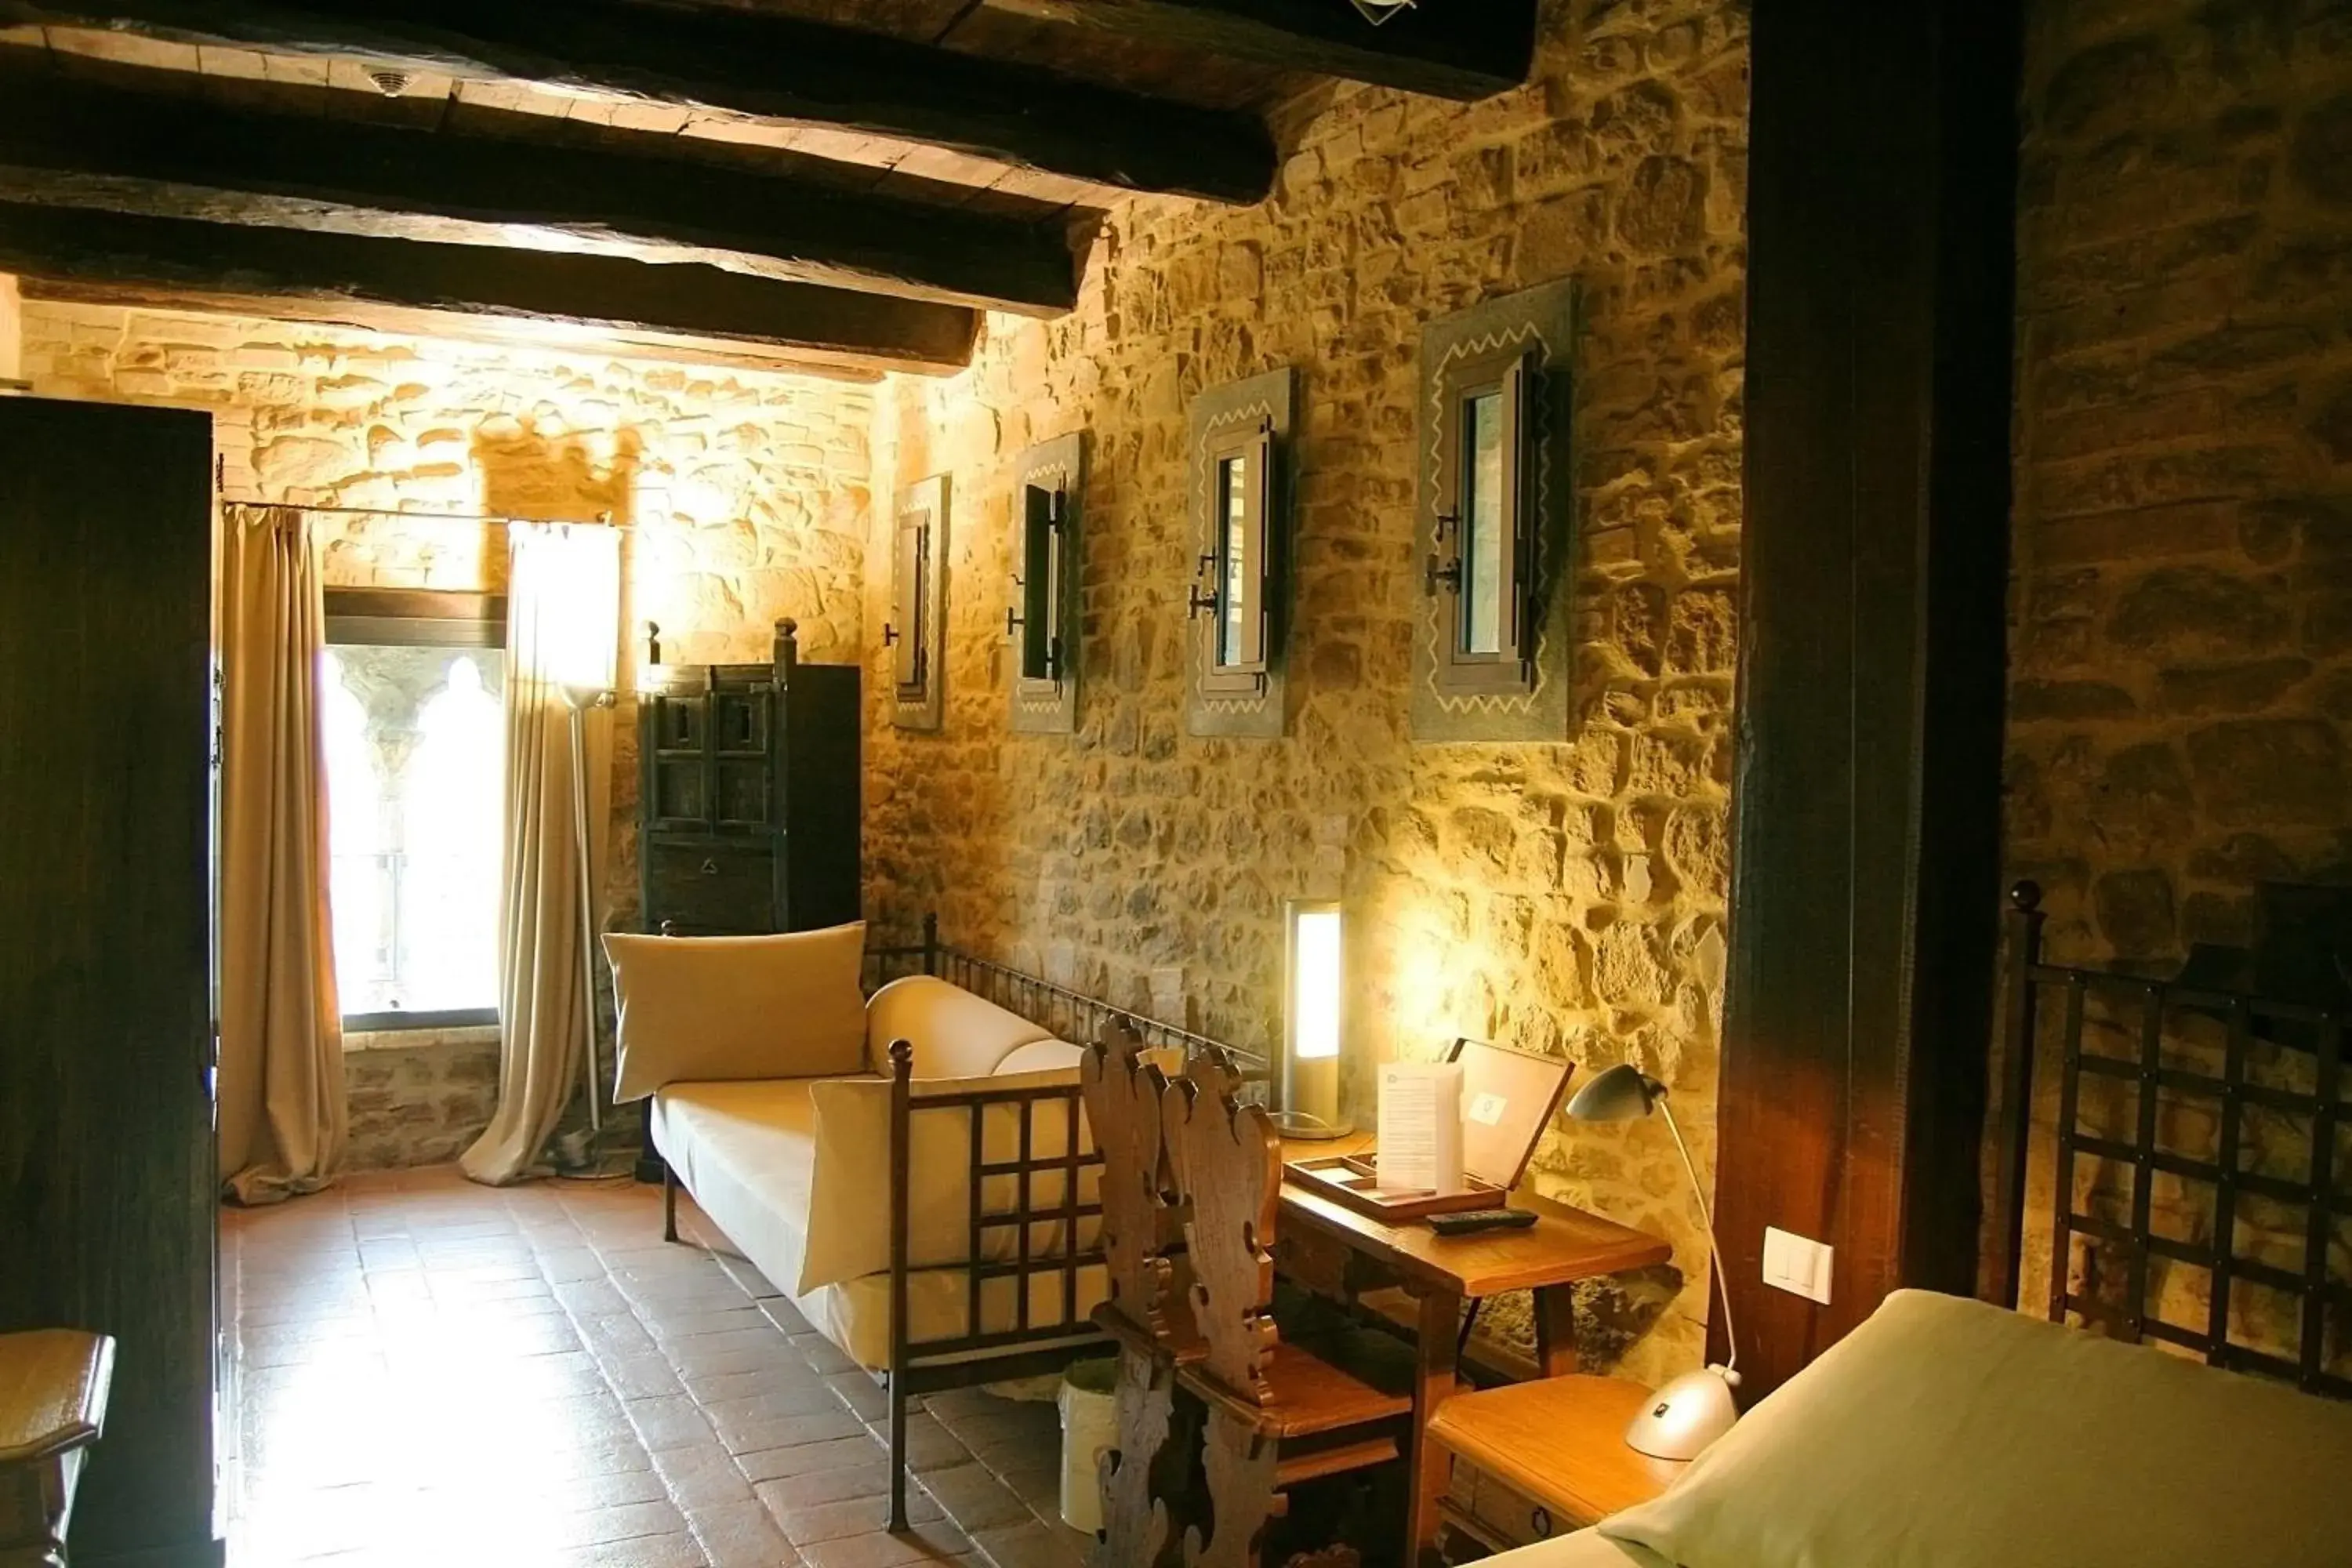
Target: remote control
1469	1222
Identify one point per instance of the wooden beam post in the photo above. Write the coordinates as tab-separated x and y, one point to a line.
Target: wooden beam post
1470	49
71	143
1866	794
12	328
755	63
637	300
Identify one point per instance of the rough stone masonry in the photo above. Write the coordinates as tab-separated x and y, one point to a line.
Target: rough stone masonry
2181	701
746	493
1567	897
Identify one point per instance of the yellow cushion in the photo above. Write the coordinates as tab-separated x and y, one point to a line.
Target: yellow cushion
955	1034
728	1008
1945	1433
746	1152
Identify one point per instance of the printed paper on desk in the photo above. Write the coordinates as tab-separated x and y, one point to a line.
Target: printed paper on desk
1421	1127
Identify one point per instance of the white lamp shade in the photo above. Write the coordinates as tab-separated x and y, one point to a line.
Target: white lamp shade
1313	1018
1315	982
575	572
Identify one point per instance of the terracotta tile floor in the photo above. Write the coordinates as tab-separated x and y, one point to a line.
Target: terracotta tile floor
436	1374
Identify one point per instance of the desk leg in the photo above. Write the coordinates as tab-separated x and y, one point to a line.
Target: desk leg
1433	1384
1556	1330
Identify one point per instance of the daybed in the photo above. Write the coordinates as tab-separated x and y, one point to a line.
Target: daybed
913	1170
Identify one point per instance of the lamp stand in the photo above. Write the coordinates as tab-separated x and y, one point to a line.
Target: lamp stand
1697	1407
1311	1100
580	702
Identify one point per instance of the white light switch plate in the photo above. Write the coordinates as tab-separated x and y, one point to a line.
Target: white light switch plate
1798	1265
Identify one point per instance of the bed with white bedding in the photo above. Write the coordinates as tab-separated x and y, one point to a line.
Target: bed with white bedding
1946	1433
1585	1548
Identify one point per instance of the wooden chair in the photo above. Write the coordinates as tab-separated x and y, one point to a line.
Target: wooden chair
1146	1479
53	1389
1277	1416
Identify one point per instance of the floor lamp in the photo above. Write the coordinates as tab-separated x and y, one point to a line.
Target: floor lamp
580	700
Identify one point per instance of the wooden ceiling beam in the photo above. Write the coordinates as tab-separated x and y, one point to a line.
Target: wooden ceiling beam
1450	48
769	67
69	143
345	277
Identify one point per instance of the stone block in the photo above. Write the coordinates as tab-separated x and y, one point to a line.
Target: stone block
2270	771
2252	687
2198	611
2135	912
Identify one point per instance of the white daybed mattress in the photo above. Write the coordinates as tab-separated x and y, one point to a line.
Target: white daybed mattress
748	1153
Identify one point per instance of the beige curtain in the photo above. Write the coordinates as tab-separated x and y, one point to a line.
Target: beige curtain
282	1116
562	636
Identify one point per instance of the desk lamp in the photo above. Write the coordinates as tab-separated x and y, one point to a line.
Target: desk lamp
1697	1407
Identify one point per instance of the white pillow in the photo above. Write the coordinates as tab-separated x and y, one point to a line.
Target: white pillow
706	1008
1945	1433
955	1034
850	1189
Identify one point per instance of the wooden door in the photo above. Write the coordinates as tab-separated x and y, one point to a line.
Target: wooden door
107	1160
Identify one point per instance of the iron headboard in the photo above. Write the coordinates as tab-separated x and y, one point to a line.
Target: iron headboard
2277	1059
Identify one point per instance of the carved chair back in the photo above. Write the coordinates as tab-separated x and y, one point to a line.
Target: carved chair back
1123	1092
1228	1165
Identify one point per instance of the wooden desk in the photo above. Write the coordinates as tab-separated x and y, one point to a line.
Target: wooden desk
1563	1245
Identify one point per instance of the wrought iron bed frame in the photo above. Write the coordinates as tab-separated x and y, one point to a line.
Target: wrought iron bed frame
2032	987
1035	1344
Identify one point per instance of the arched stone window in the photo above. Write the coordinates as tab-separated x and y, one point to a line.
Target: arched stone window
415	731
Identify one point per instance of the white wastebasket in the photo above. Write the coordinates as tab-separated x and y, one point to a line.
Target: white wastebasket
1089	1404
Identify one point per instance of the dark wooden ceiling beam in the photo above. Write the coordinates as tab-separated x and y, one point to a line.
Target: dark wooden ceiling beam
70	143
636	302
769	67
1462	49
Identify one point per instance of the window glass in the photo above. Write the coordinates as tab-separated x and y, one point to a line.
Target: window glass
1232	594
914	533
1483	525
1041	590
415	743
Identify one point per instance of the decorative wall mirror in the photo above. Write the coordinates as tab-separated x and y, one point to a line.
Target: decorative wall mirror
914	634
1491	648
1042	622
1237	603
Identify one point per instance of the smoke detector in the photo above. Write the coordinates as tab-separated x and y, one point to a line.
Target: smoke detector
391	83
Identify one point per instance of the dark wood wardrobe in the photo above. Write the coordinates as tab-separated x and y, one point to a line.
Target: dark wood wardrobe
107	1163
747	791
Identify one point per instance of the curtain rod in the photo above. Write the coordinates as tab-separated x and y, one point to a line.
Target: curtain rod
479	520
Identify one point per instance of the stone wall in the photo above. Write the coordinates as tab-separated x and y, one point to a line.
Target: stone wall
418	1097
2181	696
746	491
1569	897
